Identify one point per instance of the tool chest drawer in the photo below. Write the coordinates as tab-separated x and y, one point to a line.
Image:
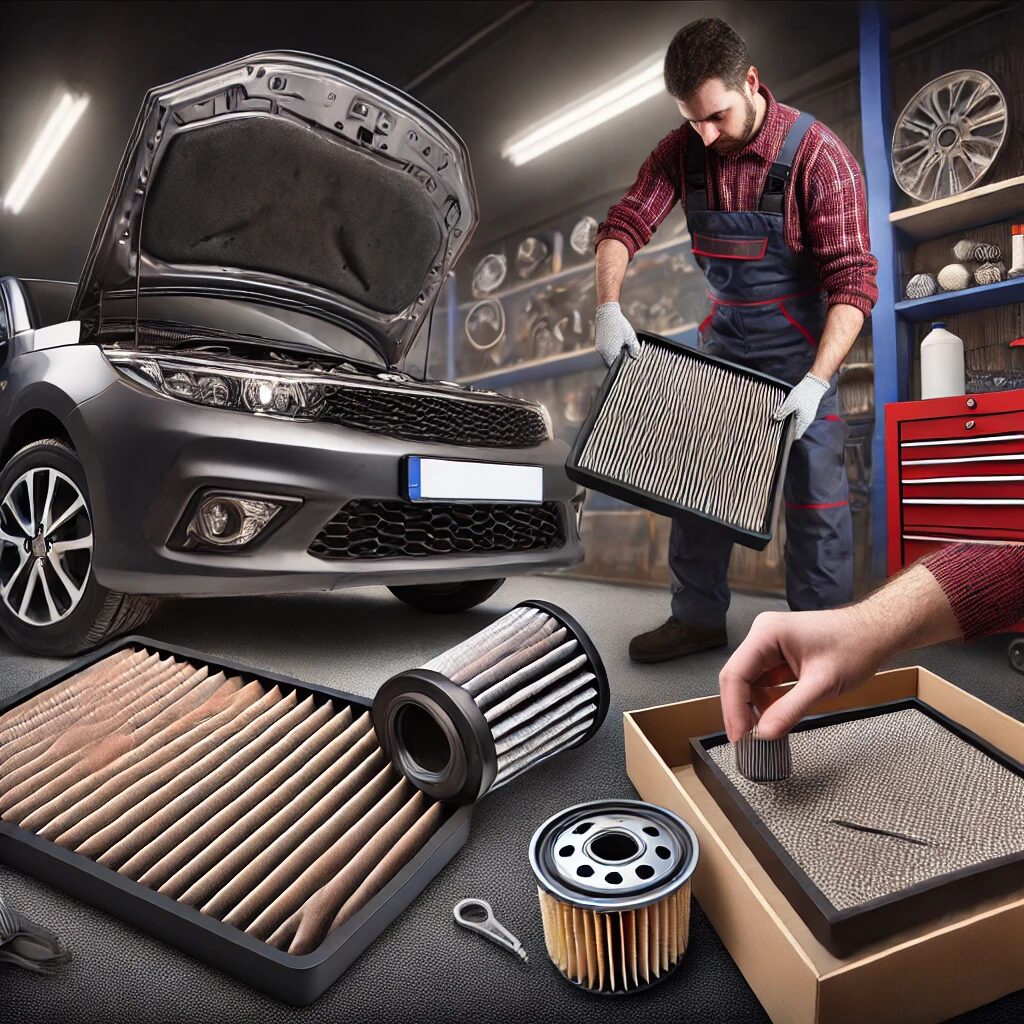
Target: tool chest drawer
955	472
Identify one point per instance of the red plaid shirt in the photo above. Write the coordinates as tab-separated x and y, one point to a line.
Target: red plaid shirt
825	208
984	584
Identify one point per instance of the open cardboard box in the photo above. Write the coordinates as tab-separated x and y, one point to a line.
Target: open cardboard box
922	975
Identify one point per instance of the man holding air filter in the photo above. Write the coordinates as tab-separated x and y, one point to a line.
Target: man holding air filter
776	211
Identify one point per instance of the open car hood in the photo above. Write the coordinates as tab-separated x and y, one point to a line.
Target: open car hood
289	180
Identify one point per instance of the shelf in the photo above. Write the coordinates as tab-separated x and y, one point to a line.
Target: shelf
568	272
969	300
558	366
1002	200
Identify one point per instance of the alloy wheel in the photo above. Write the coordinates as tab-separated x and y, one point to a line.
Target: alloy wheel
45	546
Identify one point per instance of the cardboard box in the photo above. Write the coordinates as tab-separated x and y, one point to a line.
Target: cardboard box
922	976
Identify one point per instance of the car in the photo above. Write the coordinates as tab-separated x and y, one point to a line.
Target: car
221	404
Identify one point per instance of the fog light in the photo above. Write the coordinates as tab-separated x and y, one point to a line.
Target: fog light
228	521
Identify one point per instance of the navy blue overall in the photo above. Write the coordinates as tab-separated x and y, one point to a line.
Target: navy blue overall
768	312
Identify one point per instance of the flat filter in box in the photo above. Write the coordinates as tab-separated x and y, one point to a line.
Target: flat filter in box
249	819
613	879
892	816
677	431
527	687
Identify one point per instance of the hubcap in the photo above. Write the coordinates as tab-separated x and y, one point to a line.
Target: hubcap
45	547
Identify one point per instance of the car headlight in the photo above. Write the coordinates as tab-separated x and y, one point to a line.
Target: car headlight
224	386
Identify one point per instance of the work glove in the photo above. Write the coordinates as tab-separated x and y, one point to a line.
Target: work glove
803	400
614	333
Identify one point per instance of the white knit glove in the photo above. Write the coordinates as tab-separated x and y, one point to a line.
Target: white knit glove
804	400
614	333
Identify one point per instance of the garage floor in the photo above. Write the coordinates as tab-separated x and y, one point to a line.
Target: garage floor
423	968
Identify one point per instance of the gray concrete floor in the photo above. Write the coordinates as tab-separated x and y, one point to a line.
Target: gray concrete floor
422	967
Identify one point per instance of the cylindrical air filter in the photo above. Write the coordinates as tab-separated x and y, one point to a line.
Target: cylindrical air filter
525	688
761	760
613	878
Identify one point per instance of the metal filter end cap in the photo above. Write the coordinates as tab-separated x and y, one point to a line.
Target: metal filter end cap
613	854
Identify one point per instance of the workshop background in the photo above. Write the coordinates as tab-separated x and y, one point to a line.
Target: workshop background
492	69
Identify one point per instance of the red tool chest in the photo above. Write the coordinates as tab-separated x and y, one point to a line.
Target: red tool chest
955	472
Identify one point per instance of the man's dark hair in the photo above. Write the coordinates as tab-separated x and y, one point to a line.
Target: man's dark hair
706	48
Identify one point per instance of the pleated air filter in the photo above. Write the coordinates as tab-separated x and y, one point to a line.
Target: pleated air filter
614	884
527	687
249	819
677	431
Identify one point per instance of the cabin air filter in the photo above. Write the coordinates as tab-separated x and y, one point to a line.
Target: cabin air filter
677	431
527	687
613	879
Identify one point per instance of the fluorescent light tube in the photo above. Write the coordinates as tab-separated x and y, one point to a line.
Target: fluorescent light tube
625	92
44	149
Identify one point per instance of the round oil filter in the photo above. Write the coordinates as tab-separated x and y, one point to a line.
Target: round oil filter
527	687
613	879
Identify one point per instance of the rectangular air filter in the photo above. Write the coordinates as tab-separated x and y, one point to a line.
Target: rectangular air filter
247	818
677	431
893	816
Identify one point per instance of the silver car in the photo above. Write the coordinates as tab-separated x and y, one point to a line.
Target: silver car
219	405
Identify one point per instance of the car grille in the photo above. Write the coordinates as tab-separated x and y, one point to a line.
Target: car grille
398	529
436	418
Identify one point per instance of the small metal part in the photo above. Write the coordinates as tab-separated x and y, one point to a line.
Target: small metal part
477	916
763	760
844	823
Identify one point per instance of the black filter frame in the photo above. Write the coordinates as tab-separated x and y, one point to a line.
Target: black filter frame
758	540
297	980
844	932
472	761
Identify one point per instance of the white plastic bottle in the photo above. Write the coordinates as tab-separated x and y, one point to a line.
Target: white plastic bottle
942	363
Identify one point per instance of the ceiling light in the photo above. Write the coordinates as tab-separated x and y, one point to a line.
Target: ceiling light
44	149
625	92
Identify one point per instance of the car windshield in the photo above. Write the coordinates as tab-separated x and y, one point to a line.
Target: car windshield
253	321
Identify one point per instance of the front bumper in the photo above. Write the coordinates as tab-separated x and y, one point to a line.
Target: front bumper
147	456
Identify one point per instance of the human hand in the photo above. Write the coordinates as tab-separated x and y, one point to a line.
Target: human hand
614	333
803	400
828	653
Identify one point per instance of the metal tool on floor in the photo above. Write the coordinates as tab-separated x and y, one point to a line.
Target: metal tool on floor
477	916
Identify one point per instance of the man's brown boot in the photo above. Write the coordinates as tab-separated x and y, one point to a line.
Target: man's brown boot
674	639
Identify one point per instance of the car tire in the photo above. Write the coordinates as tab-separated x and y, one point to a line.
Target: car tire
68	612
444	598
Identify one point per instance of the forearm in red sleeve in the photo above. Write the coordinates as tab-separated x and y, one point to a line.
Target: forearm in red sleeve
636	216
836	223
984	584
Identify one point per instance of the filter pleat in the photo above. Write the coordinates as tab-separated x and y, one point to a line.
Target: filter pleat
63	807
300	842
449	662
692	432
543	703
246	810
562	741
96	833
539	740
525	693
540	660
326	853
401	854
522	658
268	833
539	728
220	767
182	826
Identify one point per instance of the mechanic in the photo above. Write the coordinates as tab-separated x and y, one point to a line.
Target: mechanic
776	212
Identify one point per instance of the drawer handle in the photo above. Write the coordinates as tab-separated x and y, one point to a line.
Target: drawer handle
957	540
986	439
971	403
963	501
969	425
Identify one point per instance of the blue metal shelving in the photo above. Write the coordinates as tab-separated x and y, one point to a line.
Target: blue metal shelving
970	300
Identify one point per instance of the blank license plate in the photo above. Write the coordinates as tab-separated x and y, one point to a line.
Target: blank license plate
458	480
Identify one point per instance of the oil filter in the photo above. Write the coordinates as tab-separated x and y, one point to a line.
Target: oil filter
527	687
678	431
613	879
